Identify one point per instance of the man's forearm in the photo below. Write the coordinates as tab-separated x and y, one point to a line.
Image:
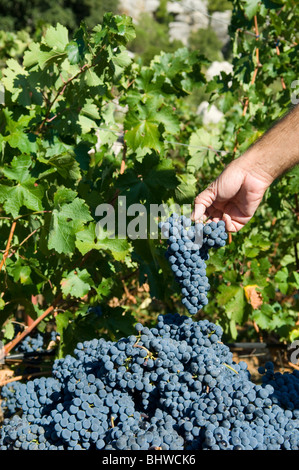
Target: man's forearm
277	151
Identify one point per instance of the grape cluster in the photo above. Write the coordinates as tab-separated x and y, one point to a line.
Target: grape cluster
188	249
31	344
36	342
174	386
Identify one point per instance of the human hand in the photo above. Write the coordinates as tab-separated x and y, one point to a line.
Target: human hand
233	197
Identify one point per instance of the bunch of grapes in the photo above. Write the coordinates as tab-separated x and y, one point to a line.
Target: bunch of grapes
36	341
187	253
31	343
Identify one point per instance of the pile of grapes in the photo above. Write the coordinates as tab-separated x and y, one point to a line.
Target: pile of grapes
172	387
188	249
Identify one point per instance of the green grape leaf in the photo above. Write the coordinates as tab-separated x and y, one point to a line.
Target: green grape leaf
11	73
226	293
287	259
235	307
38	54
281	278
104	288
118	322
92	79
95	238
91	110
163	174
169	120
251	7
293	183
144	134
20	272
63	196
65	164
86	124
296	276
263	316
76	283
9	330
251	251
185	191
121	61
121	25
56	37
73	53
22	141
28	194
22	86
200	143
66	222
19	169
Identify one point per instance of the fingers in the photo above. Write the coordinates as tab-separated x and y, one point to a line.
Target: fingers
203	202
230	227
233	224
199	213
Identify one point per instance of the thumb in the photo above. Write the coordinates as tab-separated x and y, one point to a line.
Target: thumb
203	201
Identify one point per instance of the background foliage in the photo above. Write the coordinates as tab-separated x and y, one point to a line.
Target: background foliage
17	15
82	123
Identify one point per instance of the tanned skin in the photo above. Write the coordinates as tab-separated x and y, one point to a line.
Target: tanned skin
236	194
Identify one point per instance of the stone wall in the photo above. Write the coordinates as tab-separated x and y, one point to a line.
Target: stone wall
189	15
134	8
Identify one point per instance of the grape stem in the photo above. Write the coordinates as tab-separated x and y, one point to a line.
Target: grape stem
9	346
143	347
231	368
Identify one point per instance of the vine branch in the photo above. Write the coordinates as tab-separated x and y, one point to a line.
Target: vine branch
9	346
12	230
24	376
